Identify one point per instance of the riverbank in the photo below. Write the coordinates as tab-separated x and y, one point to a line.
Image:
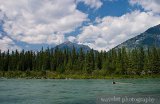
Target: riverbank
55	75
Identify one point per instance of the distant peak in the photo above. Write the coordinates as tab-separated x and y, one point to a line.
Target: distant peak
154	29
158	26
67	42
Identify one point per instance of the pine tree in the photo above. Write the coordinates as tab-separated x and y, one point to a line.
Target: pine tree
141	57
90	62
98	61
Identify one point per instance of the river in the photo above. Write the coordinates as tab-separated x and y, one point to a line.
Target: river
73	91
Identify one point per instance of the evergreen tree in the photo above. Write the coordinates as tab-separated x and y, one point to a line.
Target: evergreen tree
119	61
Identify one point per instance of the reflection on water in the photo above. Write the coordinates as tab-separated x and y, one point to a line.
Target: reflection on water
54	91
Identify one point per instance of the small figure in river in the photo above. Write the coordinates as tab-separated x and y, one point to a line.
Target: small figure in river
113	81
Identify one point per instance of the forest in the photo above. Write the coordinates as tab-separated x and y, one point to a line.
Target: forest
121	61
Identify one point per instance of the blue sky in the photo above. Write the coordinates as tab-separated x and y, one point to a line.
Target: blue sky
100	24
109	8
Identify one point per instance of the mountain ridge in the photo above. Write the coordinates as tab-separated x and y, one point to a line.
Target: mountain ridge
70	45
149	38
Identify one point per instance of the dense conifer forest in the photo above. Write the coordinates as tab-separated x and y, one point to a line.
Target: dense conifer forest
120	61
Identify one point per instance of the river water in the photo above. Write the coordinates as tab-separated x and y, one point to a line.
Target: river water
61	91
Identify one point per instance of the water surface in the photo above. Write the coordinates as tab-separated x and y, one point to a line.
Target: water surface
61	91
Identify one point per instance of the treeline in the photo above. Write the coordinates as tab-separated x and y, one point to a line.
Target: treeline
121	61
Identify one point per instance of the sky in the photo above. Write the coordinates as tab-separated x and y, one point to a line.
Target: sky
100	24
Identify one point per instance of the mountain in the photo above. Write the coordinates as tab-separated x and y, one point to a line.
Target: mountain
149	38
69	45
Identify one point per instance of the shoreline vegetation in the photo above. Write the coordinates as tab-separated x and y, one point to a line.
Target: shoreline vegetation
78	75
70	64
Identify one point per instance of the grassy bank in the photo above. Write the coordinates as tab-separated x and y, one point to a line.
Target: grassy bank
55	75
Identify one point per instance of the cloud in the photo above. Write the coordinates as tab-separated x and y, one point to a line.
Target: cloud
148	5
41	21
47	22
71	38
92	3
7	43
111	31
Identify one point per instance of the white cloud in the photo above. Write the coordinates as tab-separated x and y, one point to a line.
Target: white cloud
148	5
71	38
92	3
41	21
7	43
111	31
46	21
